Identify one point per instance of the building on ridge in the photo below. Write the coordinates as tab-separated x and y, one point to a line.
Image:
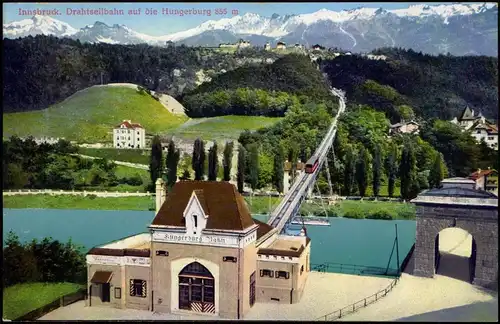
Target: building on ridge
480	128
129	135
204	254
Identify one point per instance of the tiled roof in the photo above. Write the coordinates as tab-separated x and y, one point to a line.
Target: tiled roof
482	173
128	124
263	228
226	207
120	252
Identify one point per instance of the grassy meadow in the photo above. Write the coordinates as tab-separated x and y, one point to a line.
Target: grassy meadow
21	299
89	116
222	127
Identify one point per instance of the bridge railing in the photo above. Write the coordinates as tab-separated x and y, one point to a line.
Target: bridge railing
354	269
359	304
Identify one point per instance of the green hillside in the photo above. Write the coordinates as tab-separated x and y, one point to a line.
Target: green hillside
90	115
223	127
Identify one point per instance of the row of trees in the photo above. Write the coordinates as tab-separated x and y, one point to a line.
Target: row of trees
168	168
42	261
28	165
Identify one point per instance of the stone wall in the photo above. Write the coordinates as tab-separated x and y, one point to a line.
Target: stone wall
480	222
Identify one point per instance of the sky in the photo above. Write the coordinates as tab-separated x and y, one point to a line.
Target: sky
160	24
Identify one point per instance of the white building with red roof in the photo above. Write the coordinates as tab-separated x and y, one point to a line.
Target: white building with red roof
129	135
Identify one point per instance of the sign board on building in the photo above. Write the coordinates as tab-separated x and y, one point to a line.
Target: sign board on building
118	260
203	239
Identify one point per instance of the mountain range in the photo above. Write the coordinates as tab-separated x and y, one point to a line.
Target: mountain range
458	29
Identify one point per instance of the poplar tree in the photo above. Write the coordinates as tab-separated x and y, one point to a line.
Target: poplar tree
391	166
437	171
155	162
408	173
198	162
253	164
172	161
227	160
213	165
362	165
377	170
349	170
241	168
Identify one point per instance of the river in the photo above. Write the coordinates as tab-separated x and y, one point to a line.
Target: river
349	241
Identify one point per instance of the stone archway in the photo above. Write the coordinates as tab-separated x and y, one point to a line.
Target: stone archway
472	210
196	289
455	255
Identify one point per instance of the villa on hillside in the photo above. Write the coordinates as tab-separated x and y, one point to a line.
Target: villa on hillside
129	135
280	46
318	47
480	127
403	127
486	180
240	44
267	47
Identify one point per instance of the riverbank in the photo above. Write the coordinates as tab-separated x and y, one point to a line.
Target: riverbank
257	205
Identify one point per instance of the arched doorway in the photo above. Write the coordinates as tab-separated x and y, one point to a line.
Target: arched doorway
196	289
455	254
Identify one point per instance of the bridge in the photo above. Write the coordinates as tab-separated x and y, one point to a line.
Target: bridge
290	204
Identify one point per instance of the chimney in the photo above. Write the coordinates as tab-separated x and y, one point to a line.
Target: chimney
161	193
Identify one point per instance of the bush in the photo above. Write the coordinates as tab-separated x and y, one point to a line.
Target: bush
354	213
380	214
92	196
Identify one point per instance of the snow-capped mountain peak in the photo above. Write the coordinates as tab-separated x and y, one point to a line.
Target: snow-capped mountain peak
38	25
352	26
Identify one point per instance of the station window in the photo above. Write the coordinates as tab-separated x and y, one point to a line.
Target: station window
282	274
118	293
266	273
138	288
162	253
229	259
301	269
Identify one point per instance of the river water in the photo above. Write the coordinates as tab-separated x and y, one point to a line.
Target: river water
348	241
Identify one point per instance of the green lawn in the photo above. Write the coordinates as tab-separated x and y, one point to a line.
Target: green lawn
127	172
21	299
222	127
125	155
78	202
90	115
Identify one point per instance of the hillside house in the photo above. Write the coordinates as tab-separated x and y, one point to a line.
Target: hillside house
280	46
486	180
288	177
376	57
129	135
240	44
403	127
267	47
317	47
481	129
298	46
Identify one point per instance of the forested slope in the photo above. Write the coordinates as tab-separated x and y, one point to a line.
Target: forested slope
434	86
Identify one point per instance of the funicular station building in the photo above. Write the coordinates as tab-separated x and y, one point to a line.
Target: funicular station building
204	253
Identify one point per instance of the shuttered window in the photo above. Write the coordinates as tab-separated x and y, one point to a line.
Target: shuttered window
138	288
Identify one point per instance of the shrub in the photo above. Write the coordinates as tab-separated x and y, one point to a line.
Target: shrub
380	214
354	213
